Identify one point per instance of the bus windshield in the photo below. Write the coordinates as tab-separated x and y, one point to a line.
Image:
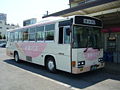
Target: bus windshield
85	37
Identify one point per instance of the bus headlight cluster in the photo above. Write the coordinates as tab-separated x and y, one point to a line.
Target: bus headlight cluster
100	60
80	63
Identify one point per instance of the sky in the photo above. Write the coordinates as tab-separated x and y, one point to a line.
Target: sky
19	10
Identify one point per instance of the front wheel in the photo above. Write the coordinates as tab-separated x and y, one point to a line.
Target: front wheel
50	64
16	57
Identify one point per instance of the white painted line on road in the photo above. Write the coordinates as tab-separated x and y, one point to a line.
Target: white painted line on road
55	81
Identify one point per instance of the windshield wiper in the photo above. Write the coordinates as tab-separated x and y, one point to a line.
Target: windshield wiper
87	44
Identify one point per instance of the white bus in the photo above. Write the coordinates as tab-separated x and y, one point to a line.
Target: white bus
71	44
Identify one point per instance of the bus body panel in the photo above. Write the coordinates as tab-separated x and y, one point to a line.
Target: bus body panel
67	58
89	58
35	52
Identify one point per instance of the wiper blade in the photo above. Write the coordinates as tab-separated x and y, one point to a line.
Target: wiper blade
96	48
86	49
87	44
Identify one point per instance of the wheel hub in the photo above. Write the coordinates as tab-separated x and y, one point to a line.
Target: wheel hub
51	65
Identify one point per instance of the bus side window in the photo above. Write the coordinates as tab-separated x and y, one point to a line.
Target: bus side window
12	37
20	35
25	35
16	36
8	36
32	34
40	33
49	32
60	35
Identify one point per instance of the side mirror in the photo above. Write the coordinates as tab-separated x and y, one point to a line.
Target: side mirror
68	30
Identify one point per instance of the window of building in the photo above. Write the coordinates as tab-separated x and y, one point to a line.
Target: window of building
49	32
32	35
0	27
40	33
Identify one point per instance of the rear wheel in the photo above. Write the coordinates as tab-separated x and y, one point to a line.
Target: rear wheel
50	64
16	57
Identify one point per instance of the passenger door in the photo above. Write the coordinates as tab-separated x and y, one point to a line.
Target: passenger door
63	50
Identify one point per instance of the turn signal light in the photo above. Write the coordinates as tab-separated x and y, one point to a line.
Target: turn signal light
73	63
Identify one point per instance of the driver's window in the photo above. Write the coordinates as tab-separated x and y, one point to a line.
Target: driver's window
66	35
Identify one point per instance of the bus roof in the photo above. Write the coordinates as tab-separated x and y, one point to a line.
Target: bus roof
51	20
48	20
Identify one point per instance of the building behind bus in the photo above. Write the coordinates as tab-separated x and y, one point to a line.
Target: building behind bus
109	12
4	26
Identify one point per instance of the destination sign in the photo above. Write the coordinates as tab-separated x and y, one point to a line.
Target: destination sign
89	21
84	20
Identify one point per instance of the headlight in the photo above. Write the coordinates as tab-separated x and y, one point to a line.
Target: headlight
100	60
80	63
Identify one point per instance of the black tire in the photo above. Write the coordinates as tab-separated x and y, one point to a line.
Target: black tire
16	57
51	65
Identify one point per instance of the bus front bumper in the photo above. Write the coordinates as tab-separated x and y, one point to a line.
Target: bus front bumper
83	69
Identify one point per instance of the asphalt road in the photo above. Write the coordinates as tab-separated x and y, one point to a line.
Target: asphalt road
27	76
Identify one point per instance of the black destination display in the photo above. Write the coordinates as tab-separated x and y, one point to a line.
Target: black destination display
84	20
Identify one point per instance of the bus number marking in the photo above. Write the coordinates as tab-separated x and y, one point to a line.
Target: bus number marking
89	21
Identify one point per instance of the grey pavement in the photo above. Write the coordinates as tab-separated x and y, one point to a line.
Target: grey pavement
27	76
